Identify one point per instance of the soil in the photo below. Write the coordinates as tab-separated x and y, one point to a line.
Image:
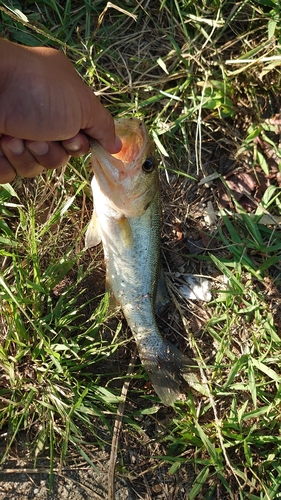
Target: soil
80	484
19	480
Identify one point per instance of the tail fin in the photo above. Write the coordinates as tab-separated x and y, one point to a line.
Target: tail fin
168	370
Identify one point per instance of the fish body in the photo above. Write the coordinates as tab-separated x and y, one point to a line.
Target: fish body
126	218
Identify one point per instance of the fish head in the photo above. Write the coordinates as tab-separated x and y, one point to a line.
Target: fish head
129	179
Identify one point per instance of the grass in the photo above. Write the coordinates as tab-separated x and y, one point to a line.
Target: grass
205	77
47	339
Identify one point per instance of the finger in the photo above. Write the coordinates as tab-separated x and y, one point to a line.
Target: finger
48	154
100	126
19	157
77	145
7	171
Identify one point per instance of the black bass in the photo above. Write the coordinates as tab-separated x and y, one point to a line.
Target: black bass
126	219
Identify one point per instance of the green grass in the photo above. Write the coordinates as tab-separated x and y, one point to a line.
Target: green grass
173	66
50	348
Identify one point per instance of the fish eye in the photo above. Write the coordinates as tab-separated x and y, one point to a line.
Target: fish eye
148	165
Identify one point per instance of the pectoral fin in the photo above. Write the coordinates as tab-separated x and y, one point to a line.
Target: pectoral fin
93	233
125	231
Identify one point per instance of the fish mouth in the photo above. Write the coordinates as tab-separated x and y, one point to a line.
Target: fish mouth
117	170
120	176
116	167
132	133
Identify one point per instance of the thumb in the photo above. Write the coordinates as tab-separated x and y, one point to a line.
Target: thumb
100	126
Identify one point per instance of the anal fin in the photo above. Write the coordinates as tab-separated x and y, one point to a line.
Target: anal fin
162	295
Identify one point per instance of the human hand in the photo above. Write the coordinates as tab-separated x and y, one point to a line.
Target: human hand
46	112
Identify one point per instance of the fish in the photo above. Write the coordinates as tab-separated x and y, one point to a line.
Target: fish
127	220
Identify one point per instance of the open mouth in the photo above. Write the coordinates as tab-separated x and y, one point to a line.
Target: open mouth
131	134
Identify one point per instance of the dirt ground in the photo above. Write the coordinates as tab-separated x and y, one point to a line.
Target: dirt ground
80	484
20	481
70	484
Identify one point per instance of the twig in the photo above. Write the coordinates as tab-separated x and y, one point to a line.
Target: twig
116	431
148	490
253	61
40	470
